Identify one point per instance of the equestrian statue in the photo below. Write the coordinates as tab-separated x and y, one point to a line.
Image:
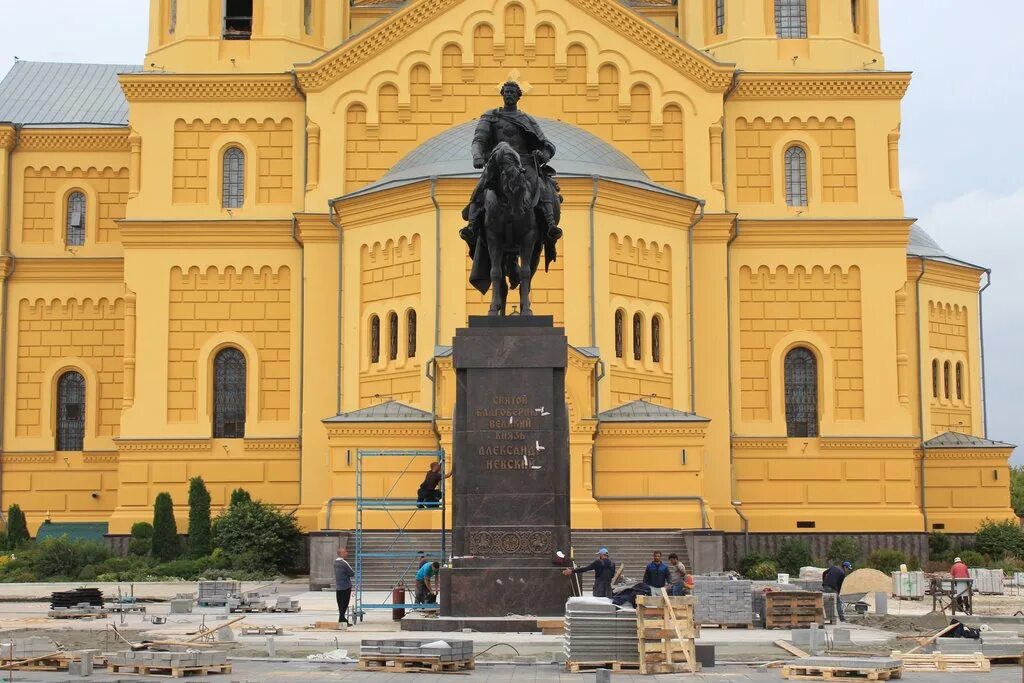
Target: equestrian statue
513	213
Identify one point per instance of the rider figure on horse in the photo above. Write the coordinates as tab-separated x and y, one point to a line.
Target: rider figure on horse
520	130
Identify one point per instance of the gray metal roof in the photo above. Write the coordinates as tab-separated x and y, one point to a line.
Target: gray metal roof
923	246
645	411
389	411
578	154
60	94
958	440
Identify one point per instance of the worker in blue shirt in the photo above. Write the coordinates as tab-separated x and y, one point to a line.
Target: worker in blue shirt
656	574
604	572
425	592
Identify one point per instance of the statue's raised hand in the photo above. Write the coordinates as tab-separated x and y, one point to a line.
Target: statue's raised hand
478	162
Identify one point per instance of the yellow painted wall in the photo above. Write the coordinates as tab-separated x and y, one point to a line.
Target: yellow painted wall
324	105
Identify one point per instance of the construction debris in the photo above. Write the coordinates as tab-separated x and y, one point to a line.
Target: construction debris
337	656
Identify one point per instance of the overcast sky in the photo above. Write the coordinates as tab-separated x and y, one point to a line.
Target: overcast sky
962	148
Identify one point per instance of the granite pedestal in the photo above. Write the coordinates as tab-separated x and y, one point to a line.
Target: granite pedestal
510	497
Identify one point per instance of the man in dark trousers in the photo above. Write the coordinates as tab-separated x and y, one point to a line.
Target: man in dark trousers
343	574
656	574
604	571
429	495
832	582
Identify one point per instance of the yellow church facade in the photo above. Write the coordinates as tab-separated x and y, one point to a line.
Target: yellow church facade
240	260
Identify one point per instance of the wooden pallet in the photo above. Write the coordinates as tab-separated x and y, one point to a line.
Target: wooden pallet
56	663
936	661
789	609
170	671
284	610
580	667
666	630
724	626
262	630
1016	660
396	664
797	672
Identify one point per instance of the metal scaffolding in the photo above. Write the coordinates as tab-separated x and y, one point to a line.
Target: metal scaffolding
389	504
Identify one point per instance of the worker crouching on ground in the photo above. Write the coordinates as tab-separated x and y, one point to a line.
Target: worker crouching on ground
604	571
343	574
832	582
429	493
656	575
425	591
679	581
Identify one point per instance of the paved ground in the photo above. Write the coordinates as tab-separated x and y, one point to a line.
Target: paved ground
268	672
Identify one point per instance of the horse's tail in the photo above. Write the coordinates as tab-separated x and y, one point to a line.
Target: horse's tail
510	268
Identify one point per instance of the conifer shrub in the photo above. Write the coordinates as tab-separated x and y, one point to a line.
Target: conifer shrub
200	535
166	545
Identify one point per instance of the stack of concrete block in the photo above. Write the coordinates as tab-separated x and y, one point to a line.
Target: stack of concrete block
720	600
283	604
909	585
991	644
443	650
988	581
216	593
597	631
167	660
27	648
181	606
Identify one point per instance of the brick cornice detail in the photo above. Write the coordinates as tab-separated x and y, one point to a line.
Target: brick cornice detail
760	442
846	86
82	140
7	137
610	429
382	429
69	269
835	443
272	444
162	445
156	87
27	458
330	68
316	227
98	458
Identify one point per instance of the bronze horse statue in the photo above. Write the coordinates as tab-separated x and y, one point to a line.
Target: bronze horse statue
509	252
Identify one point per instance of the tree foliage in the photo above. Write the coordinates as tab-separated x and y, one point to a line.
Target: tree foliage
999	538
258	537
792	555
17	527
887	560
1017	488
240	495
200	536
844	549
166	545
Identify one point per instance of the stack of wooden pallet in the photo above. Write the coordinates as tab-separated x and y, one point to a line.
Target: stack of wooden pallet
937	661
842	669
666	631
792	609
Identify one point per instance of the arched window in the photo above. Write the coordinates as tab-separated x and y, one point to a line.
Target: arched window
374	339
656	339
791	18
959	381
392	335
719	17
620	323
410	324
801	377
796	176
234	178
74	235
935	379
237	19
307	16
638	337
70	411
945	379
229	394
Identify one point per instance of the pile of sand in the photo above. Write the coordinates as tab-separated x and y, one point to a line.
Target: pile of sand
866	581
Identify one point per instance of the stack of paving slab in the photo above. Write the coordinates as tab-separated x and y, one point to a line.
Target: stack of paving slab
991	644
721	600
82	609
596	630
443	650
214	593
988	581
168	660
27	648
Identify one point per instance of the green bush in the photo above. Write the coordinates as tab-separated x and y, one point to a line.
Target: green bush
142	530
972	558
750	560
258	535
763	571
887	560
200	537
939	546
997	539
166	545
62	557
792	555
240	496
188	570
914	564
139	547
844	549
1011	565
17	527
87	573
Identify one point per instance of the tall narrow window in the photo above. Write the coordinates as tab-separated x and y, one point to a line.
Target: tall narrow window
719	17
796	176
234	178
855	15
237	19
801	377
959	381
393	335
229	394
620	323
75	233
70	411
410	324
638	337
374	339
791	18
656	339
945	379
307	16
935	379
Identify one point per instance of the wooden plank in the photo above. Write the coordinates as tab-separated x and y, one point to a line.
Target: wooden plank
791	649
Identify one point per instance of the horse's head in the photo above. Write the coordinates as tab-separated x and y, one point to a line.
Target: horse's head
505	161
